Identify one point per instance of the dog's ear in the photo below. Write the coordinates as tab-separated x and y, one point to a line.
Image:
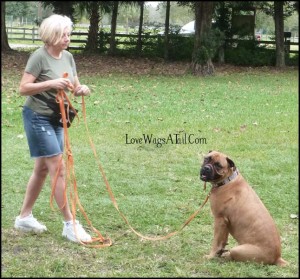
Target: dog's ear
210	151
230	163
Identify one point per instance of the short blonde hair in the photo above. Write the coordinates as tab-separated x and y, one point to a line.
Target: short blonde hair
52	28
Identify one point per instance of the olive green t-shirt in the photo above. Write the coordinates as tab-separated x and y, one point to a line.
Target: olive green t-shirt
45	67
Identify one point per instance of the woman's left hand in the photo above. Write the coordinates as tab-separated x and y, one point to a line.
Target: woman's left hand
82	90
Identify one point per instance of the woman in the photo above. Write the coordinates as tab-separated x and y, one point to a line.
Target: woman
42	77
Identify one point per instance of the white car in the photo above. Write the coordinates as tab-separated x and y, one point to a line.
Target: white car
188	28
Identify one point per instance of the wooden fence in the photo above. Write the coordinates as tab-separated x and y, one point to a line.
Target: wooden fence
79	39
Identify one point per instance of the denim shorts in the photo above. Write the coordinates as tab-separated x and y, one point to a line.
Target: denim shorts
44	139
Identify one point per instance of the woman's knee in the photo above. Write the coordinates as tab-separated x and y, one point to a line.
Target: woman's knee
40	168
56	166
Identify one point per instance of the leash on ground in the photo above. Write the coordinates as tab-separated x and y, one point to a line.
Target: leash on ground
73	193
70	176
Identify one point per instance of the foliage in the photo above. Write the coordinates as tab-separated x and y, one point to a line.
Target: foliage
268	7
210	43
20	9
180	47
180	14
292	60
62	7
222	17
129	49
129	13
248	53
103	41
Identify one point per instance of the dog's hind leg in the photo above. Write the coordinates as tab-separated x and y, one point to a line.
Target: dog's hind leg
247	252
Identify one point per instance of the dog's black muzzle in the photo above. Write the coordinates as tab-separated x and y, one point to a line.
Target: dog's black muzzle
207	172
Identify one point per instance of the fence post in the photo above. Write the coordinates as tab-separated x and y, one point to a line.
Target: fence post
287	41
101	40
33	34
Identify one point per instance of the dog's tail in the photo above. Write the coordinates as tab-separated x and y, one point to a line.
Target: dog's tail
281	262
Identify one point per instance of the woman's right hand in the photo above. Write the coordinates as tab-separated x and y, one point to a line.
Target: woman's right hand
61	83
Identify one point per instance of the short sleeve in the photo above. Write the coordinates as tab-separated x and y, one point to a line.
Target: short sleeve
34	64
73	64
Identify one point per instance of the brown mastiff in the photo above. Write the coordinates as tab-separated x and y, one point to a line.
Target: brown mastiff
239	211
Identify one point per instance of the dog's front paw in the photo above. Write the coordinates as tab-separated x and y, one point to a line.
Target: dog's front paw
210	256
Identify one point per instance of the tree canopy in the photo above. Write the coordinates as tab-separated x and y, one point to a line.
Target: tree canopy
208	36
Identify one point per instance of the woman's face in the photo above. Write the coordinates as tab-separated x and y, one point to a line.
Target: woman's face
65	39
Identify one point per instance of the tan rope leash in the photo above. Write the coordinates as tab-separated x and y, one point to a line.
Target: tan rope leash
70	177
108	187
73	193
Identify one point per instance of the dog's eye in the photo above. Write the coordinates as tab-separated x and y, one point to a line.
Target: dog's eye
206	160
218	165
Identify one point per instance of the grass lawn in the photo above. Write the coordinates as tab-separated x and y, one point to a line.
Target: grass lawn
249	114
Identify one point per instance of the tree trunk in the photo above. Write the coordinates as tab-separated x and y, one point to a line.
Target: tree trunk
92	39
139	42
203	18
64	8
279	33
167	24
112	48
221	54
4	40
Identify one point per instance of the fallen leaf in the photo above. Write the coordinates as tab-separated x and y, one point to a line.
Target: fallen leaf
243	128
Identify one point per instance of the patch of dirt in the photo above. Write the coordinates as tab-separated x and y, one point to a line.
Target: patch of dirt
103	65
96	64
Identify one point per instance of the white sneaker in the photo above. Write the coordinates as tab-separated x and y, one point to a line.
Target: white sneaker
70	234
29	224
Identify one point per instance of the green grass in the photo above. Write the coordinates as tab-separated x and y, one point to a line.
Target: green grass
251	116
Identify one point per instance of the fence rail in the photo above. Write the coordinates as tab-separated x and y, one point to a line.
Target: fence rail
79	39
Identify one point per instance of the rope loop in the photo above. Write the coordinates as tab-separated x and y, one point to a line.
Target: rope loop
73	193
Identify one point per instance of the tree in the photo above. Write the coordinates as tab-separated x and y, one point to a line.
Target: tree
139	41
94	11
167	26
94	17
112	48
222	16
128	14
115	9
4	39
92	8
296	6
279	33
201	57
279	10
62	8
19	9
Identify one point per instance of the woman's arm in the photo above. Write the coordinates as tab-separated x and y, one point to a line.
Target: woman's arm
29	87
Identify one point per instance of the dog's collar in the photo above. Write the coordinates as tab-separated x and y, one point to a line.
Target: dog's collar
227	180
